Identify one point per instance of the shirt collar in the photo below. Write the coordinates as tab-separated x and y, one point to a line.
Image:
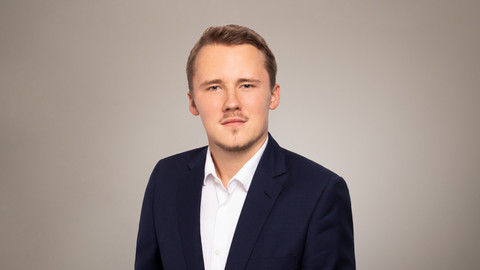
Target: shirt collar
244	175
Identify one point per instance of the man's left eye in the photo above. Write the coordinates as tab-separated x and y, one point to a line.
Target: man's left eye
247	86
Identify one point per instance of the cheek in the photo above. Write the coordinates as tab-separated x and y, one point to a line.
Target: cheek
257	104
208	110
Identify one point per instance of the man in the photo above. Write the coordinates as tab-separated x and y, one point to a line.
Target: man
243	202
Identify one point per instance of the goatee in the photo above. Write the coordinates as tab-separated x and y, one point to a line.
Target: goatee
239	147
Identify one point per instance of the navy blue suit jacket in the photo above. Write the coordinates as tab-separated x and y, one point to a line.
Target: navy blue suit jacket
296	215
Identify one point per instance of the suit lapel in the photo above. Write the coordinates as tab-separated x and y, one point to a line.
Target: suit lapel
188	210
264	190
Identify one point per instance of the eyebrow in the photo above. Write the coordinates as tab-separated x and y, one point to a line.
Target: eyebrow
243	80
218	81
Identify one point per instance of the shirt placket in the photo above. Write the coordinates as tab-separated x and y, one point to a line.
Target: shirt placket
219	249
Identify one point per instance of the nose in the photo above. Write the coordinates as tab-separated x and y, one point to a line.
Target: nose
232	102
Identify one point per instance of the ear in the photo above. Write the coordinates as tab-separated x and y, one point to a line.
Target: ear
192	106
275	97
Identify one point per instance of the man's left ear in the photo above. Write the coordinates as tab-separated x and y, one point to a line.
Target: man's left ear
275	97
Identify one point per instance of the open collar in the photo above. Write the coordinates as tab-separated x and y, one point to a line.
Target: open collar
267	183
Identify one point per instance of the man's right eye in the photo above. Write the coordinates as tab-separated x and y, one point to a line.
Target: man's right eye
213	88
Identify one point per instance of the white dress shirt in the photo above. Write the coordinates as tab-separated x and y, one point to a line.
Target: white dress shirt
220	209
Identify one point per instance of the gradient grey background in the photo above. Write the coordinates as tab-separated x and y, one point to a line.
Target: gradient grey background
93	93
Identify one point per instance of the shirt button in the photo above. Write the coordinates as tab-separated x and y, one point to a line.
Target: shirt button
217	252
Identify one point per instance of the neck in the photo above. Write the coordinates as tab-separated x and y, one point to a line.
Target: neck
228	163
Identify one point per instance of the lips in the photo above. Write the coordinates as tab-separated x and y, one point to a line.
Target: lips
233	121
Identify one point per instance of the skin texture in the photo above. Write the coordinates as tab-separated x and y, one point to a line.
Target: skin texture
233	96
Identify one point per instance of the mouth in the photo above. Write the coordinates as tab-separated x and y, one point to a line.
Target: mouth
233	122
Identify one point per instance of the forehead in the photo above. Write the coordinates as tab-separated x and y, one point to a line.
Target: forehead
229	59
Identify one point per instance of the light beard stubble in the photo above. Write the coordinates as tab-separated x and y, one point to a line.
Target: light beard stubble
239	148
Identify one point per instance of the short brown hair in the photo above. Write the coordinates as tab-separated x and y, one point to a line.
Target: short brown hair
232	35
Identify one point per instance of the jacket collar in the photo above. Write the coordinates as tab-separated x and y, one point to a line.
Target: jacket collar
267	183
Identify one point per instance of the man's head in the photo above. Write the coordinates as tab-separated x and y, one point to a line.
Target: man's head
232	35
231	88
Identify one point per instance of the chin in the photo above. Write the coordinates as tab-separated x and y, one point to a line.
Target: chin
234	148
237	146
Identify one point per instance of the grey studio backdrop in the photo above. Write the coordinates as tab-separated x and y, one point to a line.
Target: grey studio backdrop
93	93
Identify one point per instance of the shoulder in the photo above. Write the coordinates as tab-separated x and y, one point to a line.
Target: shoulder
184	157
311	178
299	163
177	163
300	171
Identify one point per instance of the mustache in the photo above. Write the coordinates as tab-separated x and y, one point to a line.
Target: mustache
229	117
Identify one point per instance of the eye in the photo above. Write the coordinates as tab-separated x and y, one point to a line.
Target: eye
213	88
247	85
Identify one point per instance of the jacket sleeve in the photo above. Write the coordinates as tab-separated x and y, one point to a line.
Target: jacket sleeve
147	254
329	243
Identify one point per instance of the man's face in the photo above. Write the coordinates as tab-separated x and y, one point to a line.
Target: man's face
232	95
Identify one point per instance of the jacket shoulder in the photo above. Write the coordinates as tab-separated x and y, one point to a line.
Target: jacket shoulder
178	163
298	162
309	176
182	158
